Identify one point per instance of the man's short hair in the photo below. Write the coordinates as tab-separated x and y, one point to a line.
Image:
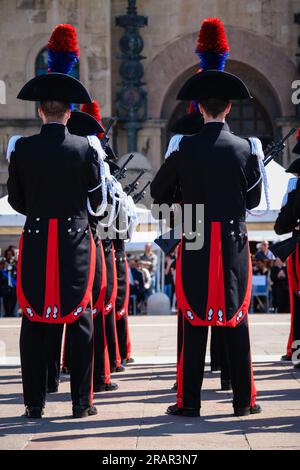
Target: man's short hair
214	106
54	109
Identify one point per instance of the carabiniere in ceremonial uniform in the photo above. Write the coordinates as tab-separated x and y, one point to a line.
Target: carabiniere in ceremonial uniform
213	284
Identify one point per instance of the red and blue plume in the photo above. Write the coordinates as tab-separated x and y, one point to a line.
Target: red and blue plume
298	135
63	51
93	109
212	46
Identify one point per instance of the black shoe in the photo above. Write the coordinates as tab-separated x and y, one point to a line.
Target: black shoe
226	385
33	412
188	412
249	410
65	370
52	389
215	368
286	358
130	360
84	411
175	386
117	369
110	387
297	366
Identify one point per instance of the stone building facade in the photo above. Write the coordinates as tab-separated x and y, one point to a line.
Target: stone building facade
263	39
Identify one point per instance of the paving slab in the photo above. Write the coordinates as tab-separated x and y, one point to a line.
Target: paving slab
134	416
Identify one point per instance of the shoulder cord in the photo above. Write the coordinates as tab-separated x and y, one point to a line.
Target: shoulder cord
256	150
173	145
292	185
96	145
11	146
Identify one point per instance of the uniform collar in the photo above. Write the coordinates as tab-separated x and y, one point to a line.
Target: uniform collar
217	126
54	130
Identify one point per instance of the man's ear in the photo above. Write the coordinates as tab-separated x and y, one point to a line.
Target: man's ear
200	108
228	108
40	113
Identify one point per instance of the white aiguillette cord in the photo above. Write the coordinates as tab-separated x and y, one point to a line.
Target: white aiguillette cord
12	145
257	150
96	145
173	145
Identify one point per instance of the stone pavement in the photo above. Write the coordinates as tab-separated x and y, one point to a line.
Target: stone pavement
133	417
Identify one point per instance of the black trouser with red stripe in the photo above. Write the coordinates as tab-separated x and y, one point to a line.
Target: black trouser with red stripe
34	359
192	348
54	343
112	339
66	359
123	337
294	337
101	359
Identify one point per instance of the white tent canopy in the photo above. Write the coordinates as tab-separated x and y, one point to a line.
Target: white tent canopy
8	216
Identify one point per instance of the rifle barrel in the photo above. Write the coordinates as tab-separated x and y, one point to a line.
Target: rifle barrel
138	196
132	186
278	147
123	167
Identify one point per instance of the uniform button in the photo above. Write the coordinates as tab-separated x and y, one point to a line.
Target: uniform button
231	233
37	231
79	230
37	219
69	219
231	222
29	231
69	230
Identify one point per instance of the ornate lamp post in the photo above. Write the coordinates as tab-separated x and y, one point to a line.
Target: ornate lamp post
297	21
131	98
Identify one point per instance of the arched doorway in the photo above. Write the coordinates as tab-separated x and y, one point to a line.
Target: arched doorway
255	117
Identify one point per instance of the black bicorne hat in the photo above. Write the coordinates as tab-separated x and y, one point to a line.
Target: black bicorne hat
296	149
55	87
83	124
189	124
214	84
294	166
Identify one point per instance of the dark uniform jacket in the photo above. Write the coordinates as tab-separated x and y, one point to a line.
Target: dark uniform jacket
50	175
214	168
287	221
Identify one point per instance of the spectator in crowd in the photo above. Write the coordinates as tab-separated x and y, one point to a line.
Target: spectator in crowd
136	279
143	266
150	262
261	268
2	266
169	276
280	288
264	249
8	283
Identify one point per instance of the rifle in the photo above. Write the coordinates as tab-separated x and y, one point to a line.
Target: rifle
141	194
168	241
274	149
133	186
105	139
120	174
